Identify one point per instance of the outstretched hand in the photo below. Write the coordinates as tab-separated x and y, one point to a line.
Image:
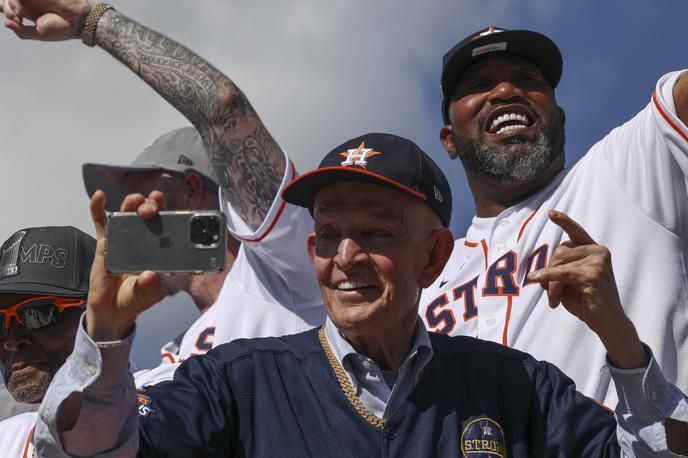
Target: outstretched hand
581	278
114	301
51	20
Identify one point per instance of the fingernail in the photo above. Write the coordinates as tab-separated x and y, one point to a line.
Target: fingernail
533	276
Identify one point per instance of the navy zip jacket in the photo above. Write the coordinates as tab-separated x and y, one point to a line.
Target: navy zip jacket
279	397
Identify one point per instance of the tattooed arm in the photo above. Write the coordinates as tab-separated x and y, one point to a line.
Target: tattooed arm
247	160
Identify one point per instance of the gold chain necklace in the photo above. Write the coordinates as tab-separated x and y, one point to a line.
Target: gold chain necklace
345	384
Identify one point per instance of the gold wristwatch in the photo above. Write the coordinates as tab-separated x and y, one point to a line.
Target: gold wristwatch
88	35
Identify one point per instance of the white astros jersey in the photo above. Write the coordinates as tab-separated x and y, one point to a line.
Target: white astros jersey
629	192
271	289
15	435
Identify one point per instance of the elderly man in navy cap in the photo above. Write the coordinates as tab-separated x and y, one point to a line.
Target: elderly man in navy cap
371	381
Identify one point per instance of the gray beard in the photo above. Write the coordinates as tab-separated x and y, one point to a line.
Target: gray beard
519	161
29	389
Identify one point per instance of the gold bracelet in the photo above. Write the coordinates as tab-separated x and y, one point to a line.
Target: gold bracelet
88	35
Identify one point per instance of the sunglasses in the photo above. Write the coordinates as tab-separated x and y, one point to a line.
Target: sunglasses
36	312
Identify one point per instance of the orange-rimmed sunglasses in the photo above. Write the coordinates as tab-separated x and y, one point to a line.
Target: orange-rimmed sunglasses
37	312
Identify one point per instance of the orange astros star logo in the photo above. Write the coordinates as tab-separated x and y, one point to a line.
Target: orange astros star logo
358	156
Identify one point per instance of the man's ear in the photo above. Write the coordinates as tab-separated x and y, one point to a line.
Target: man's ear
310	242
562	113
441	245
193	190
448	141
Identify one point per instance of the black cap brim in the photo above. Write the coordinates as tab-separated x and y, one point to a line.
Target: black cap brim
302	190
38	289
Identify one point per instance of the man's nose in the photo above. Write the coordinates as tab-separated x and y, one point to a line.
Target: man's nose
505	92
349	253
17	338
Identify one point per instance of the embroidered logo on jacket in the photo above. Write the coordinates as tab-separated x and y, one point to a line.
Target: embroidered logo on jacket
144	401
483	438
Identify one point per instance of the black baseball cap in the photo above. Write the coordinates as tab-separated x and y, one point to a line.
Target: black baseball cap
378	158
531	45
53	260
178	152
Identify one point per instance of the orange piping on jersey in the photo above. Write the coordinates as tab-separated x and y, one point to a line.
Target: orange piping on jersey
28	442
667	119
473	245
277	217
506	323
169	356
523	228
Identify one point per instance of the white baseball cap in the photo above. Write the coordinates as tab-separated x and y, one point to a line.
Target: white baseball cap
178	152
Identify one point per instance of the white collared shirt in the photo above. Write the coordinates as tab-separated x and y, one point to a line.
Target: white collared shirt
367	378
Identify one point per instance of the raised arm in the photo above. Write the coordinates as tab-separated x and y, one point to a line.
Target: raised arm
681	98
580	277
247	160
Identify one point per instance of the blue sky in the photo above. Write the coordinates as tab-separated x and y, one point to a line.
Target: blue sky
318	73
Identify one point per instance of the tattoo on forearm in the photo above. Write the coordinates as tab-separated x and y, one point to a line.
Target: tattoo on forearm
246	158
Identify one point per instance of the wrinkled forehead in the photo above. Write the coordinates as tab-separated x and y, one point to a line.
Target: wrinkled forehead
355	196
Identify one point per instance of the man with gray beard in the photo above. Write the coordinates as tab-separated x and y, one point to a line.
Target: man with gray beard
44	280
629	191
520	161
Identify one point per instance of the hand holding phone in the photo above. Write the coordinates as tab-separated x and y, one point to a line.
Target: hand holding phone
177	242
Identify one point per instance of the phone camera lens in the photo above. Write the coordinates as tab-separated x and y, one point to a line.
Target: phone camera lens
205	230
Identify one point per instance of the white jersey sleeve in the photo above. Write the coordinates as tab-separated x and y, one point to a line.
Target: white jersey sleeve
276	252
648	156
16	434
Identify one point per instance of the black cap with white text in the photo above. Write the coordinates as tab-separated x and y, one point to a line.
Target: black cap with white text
53	260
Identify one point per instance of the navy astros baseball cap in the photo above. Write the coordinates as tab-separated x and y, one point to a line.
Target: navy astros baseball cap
384	159
53	260
177	152
531	45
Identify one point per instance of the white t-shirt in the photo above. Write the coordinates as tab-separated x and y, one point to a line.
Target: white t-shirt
271	289
629	192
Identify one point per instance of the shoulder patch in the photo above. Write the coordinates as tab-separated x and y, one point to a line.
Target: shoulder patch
483	438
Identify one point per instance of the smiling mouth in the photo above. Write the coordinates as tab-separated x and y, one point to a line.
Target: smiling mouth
508	122
351	285
22	366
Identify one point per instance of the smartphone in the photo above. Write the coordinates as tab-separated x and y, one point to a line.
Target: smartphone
176	242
